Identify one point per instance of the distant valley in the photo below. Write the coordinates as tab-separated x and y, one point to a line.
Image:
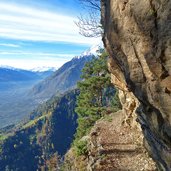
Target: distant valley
22	91
14	85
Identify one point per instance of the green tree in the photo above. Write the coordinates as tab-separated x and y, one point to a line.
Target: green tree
96	93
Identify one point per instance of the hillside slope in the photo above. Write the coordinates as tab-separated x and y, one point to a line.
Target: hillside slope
63	79
48	134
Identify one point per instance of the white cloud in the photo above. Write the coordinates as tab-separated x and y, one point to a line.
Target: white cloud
10	45
26	23
37	55
30	60
32	63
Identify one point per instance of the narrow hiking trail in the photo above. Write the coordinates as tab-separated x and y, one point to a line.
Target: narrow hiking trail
116	147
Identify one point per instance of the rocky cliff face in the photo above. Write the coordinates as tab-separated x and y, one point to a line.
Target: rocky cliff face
137	35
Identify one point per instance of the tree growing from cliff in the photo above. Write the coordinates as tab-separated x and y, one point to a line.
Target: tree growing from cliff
89	25
96	93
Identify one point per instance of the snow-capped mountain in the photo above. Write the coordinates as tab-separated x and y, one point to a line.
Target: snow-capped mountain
9	67
64	79
43	69
37	69
95	50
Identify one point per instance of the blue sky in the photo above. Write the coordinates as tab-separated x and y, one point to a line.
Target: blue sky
35	33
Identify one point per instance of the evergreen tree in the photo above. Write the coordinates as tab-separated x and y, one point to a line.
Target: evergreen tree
96	93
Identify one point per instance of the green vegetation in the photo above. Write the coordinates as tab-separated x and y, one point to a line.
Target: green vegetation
3	137
49	131
48	134
82	148
97	97
116	105
33	122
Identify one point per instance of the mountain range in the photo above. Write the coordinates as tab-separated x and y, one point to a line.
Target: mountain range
8	75
65	78
24	90
48	131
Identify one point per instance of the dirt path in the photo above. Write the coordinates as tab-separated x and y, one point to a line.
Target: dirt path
117	147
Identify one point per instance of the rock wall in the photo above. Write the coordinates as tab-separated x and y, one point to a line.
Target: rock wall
137	35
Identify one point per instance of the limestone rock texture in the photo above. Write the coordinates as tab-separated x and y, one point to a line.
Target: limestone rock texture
137	36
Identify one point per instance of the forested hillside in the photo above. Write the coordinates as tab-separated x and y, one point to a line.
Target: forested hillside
50	129
46	136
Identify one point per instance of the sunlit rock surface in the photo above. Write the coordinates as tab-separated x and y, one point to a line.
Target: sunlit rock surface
137	35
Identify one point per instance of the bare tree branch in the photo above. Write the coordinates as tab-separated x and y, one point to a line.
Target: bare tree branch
90	26
92	4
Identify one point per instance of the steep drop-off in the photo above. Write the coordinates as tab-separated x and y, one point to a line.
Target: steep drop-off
36	144
137	35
